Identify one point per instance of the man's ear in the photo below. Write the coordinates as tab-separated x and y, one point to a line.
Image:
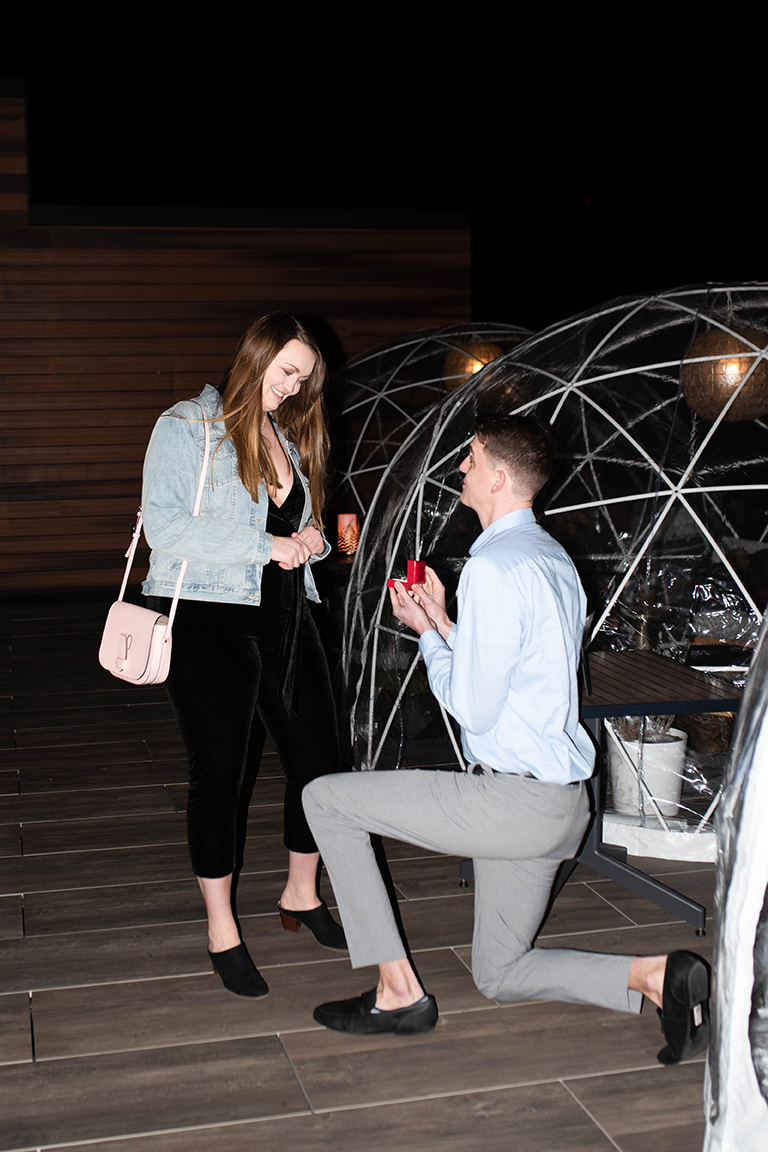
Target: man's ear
500	479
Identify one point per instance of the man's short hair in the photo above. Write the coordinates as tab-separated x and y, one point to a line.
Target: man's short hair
522	445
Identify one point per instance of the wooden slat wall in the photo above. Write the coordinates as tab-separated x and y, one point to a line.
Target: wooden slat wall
103	328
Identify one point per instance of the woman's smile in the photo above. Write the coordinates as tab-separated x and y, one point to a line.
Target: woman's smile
285	375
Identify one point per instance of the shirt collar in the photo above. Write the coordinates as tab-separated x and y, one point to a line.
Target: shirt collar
520	518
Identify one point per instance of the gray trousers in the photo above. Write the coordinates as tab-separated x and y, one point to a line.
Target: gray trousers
516	829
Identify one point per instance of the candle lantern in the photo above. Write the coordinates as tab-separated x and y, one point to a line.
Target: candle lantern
347	533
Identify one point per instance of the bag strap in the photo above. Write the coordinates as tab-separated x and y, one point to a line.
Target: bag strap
196	512
140	520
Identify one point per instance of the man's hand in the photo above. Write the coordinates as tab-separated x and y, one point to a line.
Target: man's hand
432	587
431	597
406	609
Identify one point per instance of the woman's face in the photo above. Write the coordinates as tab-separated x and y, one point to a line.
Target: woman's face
286	374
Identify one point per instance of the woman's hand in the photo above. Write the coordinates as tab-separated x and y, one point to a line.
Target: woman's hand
313	538
290	551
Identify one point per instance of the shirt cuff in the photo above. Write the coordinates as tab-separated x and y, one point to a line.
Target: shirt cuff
431	641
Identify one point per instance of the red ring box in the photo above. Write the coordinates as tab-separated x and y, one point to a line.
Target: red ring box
416	575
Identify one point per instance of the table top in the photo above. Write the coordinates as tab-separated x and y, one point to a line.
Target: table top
640	683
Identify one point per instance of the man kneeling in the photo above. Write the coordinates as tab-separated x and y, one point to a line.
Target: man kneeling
507	670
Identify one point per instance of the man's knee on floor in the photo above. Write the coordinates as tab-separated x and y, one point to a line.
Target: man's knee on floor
488	982
493	980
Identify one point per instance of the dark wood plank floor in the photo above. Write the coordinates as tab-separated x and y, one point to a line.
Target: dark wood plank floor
115	1035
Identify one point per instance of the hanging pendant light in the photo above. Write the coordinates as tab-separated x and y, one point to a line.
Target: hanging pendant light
467	360
709	384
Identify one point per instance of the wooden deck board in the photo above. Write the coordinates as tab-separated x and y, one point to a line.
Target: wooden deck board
138	1049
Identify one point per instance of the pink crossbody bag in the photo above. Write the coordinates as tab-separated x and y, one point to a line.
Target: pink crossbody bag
136	642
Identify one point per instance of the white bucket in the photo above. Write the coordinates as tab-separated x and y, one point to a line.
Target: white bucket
661	772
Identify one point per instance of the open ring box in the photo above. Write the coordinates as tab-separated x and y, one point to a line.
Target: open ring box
416	575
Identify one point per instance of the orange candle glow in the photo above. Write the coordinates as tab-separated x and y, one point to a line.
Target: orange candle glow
347	532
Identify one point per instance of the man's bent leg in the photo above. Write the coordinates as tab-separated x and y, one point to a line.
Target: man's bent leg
340	826
442	811
511	897
517	831
418	807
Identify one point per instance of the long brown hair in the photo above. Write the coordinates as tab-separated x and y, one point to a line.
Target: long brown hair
300	417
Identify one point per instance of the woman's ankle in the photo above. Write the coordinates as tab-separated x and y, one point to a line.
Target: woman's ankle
294	899
221	940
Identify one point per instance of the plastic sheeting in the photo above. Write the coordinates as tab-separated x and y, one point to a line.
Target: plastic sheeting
664	512
737	1080
380	396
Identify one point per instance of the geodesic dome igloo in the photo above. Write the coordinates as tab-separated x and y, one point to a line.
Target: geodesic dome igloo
659	405
382	395
737	1083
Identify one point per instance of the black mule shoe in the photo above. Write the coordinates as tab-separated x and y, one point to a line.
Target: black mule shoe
238	973
685	1007
321	924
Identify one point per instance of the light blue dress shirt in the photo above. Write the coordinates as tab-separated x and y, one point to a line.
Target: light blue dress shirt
508	671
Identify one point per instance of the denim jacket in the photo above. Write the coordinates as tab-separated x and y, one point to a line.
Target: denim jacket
226	545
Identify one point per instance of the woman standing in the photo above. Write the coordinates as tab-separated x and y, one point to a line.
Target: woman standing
246	651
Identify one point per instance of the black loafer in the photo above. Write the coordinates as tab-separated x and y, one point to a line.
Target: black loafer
356	1016
685	1007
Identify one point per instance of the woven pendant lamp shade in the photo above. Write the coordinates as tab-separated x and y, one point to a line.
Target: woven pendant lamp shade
465	361
708	385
